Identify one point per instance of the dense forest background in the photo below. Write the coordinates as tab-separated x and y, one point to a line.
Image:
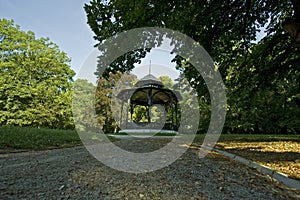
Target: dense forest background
261	76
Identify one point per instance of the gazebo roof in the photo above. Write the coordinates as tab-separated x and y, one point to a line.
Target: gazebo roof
140	95
146	86
149	80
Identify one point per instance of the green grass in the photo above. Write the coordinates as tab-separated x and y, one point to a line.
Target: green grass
27	138
165	134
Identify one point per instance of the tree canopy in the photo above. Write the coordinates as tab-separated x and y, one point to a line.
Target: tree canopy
35	82
262	77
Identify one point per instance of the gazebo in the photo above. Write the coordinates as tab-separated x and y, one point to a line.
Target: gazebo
149	93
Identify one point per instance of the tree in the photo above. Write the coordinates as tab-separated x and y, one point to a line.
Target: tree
216	25
107	106
227	30
35	82
270	102
84	105
167	81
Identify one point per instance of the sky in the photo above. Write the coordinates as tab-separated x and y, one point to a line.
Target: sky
65	23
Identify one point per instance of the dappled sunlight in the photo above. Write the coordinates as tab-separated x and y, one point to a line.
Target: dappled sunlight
282	156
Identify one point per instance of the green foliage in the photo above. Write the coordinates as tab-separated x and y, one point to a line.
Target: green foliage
35	82
84	105
262	79
217	26
140	114
97	107
107	107
103	102
264	90
167	81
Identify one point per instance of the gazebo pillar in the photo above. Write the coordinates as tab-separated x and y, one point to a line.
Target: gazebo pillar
176	115
172	111
150	102
131	111
121	117
127	108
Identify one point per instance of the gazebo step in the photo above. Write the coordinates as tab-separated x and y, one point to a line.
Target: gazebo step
147	131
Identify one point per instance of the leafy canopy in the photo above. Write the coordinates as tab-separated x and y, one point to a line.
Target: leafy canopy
35	81
262	77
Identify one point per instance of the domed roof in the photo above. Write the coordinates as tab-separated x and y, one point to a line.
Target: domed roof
149	80
149	85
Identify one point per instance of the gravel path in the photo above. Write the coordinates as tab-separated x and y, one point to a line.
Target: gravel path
72	173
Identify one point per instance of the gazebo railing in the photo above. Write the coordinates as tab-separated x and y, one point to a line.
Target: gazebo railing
150	125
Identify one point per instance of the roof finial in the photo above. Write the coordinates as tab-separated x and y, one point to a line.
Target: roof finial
150	68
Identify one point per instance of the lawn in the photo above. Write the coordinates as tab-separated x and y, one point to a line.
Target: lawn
278	152
26	138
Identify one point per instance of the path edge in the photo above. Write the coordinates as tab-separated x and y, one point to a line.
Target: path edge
281	177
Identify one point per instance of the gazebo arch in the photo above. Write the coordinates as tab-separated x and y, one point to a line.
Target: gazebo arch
149	92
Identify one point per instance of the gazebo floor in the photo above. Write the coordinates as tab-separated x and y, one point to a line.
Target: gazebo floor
147	131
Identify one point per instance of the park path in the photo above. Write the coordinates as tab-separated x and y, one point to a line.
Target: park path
72	173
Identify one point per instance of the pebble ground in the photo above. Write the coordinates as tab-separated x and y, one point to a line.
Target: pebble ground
72	173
